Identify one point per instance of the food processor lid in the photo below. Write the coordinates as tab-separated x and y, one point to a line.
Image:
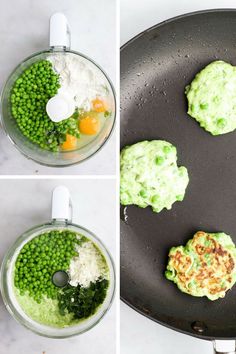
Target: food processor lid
60	107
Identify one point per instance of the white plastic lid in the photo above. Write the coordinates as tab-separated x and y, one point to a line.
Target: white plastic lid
60	107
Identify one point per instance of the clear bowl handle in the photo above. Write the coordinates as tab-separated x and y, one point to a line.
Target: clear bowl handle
61	204
59	36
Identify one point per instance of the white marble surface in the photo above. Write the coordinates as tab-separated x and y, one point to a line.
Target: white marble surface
24	30
138	334
25	203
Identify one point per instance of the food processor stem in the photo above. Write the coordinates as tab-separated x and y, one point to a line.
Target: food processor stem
59	37
61	205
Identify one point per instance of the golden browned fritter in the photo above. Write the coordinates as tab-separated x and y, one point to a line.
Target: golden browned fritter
206	266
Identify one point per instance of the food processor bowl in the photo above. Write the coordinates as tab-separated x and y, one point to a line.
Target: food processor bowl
61	211
59	45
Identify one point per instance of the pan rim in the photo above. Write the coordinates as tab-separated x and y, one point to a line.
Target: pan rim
164	324
122	48
172	19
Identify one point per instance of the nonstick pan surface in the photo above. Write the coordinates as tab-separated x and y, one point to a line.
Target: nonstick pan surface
155	68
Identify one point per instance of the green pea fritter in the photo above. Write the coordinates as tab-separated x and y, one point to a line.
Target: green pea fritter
212	98
150	175
206	266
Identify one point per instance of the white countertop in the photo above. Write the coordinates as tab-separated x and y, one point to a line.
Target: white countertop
25	203
24	30
138	334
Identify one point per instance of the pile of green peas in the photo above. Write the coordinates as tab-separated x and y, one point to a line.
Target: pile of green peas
40	258
29	96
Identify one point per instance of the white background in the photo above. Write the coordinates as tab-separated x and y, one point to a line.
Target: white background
138	334
24	30
26	203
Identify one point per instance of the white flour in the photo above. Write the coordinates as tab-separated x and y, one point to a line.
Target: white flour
79	78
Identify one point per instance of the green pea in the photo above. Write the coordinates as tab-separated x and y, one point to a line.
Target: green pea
159	160
155	198
221	122
204	106
143	193
179	197
192	107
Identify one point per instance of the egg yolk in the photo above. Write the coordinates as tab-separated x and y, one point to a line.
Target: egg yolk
99	105
70	142
89	125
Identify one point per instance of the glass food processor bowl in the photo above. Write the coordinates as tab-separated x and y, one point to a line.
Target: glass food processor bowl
59	46
61	215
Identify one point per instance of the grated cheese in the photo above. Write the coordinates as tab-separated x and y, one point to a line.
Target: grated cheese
88	266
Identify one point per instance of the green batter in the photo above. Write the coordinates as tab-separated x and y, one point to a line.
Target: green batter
46	312
212	98
150	175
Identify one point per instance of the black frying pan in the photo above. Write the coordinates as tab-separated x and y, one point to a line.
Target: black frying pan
155	68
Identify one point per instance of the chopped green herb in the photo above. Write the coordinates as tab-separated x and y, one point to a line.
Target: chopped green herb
82	302
107	114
